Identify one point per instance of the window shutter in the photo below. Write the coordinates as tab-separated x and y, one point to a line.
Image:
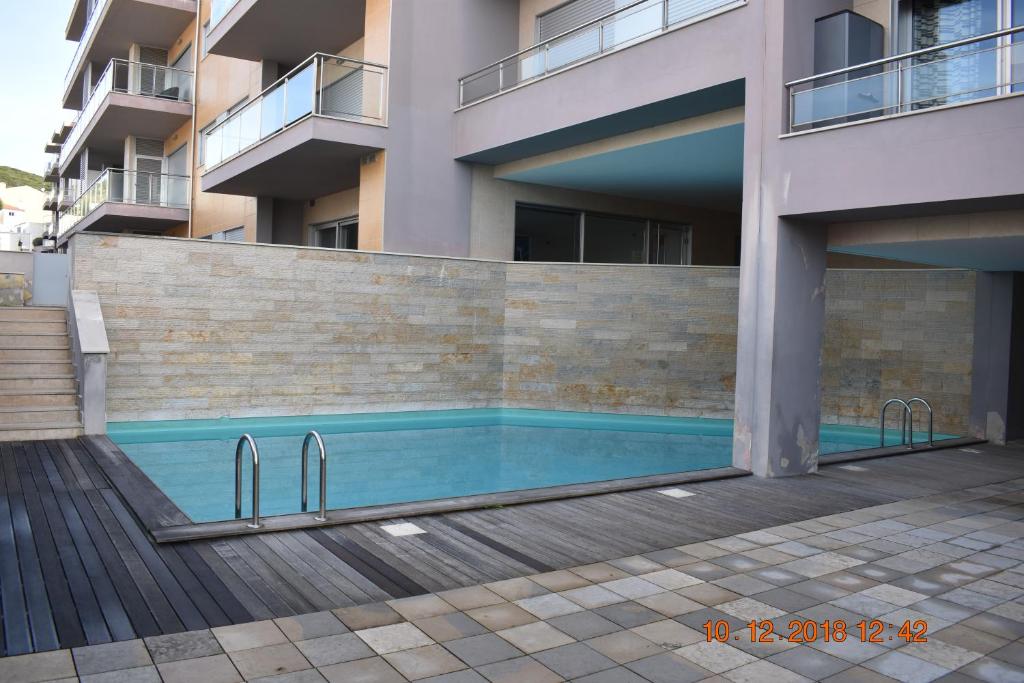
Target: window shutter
568	17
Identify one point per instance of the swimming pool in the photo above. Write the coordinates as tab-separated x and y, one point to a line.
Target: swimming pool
388	458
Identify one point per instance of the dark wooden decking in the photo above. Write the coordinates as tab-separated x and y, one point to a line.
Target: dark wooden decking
77	567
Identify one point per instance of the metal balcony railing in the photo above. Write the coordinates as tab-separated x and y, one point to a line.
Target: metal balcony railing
128	187
131	78
615	30
975	68
219	10
324	85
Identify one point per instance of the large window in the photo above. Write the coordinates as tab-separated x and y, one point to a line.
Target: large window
342	234
571	236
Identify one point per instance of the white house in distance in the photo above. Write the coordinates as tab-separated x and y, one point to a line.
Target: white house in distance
22	218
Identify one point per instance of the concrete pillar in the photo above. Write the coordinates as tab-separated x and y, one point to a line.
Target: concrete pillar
372	175
997	385
778	364
265	220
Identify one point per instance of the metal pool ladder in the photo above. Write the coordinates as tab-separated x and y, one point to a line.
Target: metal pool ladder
322	517
247	439
907	426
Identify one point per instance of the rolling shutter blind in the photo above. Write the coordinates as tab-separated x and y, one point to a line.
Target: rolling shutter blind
681	10
344	97
568	17
152	79
149	164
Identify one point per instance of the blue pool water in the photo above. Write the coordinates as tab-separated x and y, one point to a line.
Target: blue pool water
401	457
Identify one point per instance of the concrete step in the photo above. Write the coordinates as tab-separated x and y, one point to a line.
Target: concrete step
64	398
29	369
21	385
35	355
25	314
33	327
41	431
21	416
53	340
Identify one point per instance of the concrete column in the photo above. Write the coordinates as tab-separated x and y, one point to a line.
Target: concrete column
265	220
997	388
778	365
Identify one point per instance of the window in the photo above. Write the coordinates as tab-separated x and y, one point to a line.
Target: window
341	234
204	40
232	235
570	236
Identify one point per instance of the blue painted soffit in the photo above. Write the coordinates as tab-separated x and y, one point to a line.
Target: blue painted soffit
716	98
700	169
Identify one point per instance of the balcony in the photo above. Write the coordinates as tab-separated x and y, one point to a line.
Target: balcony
52	172
980	68
624	27
111	28
119	200
283	32
52	200
130	98
303	136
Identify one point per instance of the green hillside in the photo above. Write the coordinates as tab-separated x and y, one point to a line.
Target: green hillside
15	178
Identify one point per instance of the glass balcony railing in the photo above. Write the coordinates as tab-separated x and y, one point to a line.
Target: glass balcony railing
132	78
219	10
128	187
625	26
323	85
975	68
91	22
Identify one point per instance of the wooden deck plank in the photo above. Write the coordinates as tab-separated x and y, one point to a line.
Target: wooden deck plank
183	606
85	601
63	611
17	638
74	537
388	578
107	597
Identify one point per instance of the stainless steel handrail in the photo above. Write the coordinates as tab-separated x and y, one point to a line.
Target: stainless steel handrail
599	21
931	419
247	439
322	517
907	410
908	55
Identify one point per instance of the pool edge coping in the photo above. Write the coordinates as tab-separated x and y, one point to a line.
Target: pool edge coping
167	523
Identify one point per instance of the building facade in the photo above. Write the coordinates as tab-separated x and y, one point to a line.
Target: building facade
781	136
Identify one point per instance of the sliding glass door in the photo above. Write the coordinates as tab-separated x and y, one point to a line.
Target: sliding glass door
970	72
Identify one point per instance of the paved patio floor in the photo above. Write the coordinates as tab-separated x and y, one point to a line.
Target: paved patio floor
937	582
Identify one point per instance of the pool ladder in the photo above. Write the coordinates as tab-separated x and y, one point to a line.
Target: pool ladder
247	439
907	426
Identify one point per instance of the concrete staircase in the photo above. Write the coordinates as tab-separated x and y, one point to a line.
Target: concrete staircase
38	393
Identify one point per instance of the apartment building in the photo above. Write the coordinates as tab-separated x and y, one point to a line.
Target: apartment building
779	135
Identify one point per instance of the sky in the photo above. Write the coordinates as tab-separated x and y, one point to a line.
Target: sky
34	58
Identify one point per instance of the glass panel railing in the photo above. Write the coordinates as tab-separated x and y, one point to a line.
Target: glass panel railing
219	10
627	25
324	85
973	69
131	78
128	187
91	22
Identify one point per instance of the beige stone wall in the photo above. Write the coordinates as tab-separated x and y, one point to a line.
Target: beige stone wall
635	339
202	329
897	333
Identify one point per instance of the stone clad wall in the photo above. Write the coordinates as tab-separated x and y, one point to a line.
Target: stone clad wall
638	339
898	333
202	329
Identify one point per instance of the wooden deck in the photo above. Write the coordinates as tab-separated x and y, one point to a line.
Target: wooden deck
77	567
